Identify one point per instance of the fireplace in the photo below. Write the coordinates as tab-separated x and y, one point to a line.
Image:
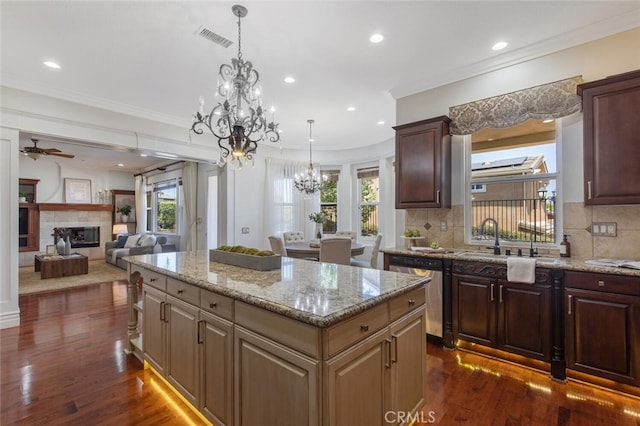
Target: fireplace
83	236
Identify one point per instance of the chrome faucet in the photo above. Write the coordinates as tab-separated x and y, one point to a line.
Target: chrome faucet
496	244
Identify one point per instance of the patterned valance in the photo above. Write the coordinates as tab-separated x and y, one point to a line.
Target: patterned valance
549	101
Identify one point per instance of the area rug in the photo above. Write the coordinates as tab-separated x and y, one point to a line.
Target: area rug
99	271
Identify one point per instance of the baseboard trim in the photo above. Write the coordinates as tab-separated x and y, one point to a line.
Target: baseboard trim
10	319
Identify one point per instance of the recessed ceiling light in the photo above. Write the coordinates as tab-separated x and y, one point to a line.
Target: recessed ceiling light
289	79
120	165
351	108
548	120
143	155
499	45
52	64
376	38
380	122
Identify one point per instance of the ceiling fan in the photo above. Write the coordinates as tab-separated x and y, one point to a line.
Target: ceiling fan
35	153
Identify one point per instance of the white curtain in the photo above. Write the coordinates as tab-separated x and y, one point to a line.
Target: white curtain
190	193
285	208
141	204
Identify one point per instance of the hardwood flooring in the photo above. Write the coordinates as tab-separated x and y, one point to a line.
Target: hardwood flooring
65	365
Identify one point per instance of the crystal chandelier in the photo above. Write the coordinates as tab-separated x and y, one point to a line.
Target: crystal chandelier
237	119
309	182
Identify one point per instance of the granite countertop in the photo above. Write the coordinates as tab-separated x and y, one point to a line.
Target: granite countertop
565	263
320	294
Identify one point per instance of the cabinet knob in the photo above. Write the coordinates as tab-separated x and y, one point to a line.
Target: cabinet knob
364	328
412	302
213	305
180	291
152	280
600	283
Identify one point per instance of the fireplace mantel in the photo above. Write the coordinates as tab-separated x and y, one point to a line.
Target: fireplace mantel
74	206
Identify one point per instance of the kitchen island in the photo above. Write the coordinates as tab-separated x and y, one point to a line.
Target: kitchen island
311	343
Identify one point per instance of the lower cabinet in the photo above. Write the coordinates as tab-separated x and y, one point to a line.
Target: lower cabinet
182	348
154	330
216	368
496	313
274	385
380	377
602	320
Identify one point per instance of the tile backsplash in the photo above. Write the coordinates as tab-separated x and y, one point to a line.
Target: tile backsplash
577	218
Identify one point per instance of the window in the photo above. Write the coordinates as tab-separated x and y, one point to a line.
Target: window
329	200
513	180
368	201
162	206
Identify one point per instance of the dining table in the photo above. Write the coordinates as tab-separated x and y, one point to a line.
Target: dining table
309	250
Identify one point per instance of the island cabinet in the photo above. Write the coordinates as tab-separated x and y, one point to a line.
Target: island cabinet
611	139
602	320
423	164
493	312
239	363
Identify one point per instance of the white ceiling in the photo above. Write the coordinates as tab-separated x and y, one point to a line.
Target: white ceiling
143	57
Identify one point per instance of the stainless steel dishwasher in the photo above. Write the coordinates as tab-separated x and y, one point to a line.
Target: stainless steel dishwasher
424	267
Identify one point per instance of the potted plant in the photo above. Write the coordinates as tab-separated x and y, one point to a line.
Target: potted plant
124	213
22	196
319	218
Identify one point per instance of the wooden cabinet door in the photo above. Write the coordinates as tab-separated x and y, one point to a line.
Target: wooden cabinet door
357	383
611	139
603	334
182	343
524	320
408	352
274	385
154	326
474	309
423	159
216	368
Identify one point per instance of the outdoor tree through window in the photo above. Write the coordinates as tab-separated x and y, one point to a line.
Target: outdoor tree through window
368	201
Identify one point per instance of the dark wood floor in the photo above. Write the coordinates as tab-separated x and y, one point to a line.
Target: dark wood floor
65	365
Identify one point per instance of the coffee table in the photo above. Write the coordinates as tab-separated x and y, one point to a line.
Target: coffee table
61	265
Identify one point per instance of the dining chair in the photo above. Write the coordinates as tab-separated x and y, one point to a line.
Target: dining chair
293	237
351	234
373	262
277	245
335	250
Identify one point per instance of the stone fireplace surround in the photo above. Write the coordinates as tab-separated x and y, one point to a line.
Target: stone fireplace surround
73	217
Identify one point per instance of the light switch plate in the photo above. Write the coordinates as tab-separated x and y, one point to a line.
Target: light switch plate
245	229
604	229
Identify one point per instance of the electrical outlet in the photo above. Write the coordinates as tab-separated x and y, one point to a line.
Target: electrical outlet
245	229
443	226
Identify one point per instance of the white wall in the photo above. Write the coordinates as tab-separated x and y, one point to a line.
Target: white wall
9	153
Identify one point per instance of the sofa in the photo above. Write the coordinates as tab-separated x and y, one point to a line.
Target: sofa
132	245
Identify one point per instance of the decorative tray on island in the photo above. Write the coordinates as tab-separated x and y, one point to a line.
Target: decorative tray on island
244	260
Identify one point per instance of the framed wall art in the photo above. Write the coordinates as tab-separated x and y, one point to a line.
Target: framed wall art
77	191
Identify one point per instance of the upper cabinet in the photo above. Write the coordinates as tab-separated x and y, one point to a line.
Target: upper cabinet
423	164
612	139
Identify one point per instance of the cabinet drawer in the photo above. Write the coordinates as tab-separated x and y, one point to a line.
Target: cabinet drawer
217	304
405	303
609	283
352	330
183	291
151	278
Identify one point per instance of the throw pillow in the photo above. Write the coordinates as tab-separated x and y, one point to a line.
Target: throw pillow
147	240
122	239
131	241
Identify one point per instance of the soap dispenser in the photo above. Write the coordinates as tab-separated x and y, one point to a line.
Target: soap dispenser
565	247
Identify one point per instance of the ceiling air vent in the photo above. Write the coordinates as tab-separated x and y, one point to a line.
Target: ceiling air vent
211	36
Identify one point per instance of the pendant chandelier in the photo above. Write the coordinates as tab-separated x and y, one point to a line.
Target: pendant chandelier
309	182
237	119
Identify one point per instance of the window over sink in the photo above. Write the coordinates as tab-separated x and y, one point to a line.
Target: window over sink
512	177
